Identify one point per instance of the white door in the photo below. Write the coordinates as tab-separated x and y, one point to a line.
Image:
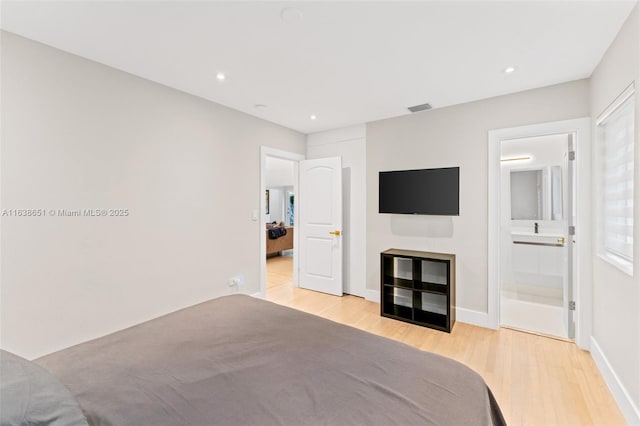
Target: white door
570	207
320	210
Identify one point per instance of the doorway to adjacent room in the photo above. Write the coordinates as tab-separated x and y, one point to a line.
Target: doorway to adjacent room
278	217
536	239
522	276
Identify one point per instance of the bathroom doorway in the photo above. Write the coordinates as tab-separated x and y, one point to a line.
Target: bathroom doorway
536	223
576	274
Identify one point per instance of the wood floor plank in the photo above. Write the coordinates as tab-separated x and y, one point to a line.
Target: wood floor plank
536	380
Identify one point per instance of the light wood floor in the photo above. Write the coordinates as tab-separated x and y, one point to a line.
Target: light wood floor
536	380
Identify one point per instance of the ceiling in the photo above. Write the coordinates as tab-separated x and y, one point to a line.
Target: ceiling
344	62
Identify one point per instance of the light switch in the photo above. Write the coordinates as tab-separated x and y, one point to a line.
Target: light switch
254	214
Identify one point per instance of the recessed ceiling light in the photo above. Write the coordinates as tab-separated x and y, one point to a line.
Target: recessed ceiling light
313	117
509	70
260	106
220	76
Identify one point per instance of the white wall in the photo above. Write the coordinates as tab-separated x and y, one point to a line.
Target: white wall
277	208
454	136
545	151
616	295
77	134
279	177
278	172
350	144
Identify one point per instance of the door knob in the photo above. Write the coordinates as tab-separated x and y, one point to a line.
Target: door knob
560	240
336	233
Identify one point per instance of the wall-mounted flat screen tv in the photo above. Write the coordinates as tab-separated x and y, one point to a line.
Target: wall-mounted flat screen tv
426	191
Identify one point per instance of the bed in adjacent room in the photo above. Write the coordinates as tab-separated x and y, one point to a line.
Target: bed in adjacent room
238	360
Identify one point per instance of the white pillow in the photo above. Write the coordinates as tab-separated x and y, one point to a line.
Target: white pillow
30	395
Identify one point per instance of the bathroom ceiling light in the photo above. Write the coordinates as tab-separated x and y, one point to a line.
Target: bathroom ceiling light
509	70
313	117
515	159
220	76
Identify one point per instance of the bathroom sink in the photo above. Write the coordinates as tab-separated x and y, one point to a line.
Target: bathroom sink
541	238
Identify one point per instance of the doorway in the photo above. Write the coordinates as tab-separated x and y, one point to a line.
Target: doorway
278	215
577	293
536	241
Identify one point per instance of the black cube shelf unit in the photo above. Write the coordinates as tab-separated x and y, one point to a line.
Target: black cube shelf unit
419	287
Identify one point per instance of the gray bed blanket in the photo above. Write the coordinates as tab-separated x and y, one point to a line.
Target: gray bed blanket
237	360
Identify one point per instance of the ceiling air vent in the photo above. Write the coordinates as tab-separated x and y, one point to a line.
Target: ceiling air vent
417	108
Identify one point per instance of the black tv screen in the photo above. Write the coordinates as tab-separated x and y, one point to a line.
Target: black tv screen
426	191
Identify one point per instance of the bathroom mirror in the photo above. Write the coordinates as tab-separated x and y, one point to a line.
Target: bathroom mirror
536	194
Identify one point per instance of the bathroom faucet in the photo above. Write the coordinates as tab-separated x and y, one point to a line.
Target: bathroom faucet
535	227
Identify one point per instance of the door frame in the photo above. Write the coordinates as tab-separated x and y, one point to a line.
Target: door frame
581	127
295	158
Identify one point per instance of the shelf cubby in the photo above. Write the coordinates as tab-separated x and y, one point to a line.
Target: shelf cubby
418	287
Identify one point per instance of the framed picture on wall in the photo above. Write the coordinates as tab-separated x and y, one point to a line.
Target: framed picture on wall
267	199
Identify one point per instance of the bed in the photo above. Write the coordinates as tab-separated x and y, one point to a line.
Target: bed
238	360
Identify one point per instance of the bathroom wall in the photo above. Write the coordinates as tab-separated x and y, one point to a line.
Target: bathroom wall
544	151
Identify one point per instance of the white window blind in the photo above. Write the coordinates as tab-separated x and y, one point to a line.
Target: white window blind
616	137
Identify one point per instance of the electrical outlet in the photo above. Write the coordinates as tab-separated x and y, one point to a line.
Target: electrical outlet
236	281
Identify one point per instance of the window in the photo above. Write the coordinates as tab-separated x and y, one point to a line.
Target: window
616	140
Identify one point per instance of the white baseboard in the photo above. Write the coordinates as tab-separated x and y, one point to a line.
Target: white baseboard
481	319
257	295
468	316
372	295
620	394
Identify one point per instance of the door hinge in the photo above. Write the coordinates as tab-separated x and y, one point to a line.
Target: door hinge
572	230
572	155
572	305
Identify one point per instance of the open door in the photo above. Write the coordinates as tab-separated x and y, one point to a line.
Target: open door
320	225
570	230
